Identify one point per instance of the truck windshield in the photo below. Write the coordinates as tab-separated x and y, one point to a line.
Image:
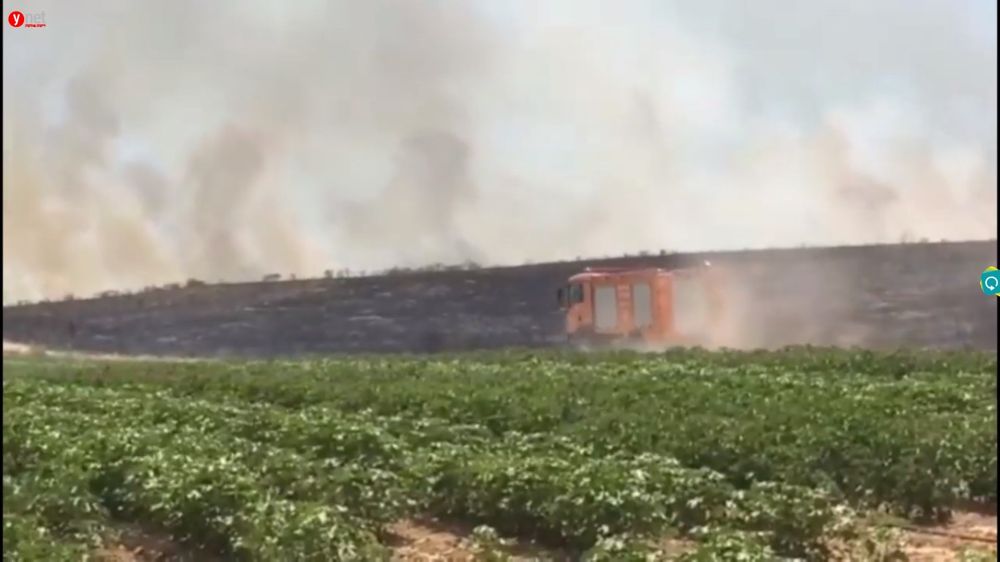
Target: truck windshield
570	294
575	293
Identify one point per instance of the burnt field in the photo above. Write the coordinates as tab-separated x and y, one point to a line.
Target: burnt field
875	296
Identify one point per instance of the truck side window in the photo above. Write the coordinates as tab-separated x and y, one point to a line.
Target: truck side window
576	293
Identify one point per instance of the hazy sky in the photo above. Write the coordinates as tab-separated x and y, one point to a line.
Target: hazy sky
150	142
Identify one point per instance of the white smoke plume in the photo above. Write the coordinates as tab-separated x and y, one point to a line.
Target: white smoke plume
147	142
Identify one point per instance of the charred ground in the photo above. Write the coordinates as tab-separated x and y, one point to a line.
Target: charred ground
874	296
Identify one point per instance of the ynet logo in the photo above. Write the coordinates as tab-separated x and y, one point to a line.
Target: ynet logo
989	281
20	19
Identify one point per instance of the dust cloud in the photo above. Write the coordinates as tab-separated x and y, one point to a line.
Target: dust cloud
148	143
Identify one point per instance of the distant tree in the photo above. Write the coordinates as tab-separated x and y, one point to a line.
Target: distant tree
195	283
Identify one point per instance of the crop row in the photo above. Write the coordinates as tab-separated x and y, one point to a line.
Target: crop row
255	481
203	488
914	430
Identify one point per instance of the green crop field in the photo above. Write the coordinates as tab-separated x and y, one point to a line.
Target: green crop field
732	455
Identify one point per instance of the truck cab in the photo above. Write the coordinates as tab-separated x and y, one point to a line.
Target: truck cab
648	305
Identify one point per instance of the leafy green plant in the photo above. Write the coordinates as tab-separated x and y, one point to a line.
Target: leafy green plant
754	455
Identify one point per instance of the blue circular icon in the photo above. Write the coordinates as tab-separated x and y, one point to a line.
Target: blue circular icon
989	281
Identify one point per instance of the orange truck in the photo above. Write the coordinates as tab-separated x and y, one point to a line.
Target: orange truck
652	306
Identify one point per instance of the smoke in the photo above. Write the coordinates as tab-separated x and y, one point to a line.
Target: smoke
430	186
151	143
